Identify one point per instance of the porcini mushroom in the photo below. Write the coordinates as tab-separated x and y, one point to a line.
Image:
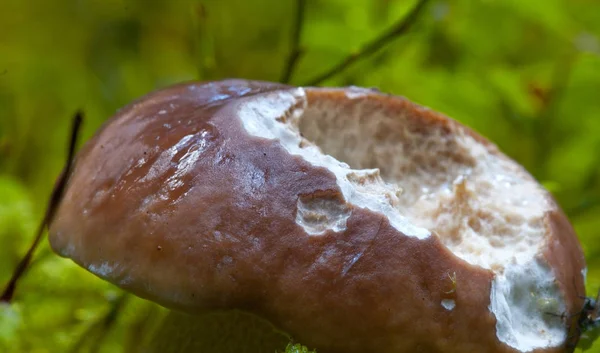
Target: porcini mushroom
353	220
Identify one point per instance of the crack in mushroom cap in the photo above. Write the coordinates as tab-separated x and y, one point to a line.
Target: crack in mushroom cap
354	220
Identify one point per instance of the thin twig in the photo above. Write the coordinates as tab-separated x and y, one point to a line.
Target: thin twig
546	118
140	331
103	325
583	207
55	198
108	322
295	53
374	45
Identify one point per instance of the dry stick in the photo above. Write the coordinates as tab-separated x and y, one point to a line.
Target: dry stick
109	320
55	198
588	203
374	45
583	207
546	118
103	324
295	53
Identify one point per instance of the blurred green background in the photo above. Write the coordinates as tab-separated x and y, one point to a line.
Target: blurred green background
526	74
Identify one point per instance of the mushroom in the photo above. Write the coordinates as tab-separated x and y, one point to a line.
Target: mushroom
353	220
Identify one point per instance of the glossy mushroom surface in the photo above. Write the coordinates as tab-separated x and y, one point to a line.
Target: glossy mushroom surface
353	220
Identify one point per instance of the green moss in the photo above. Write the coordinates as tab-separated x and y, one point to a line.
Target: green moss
229	331
297	348
526	74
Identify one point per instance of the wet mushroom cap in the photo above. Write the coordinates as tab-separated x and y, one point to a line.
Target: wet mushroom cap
354	220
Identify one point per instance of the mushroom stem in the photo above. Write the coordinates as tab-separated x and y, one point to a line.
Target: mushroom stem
222	331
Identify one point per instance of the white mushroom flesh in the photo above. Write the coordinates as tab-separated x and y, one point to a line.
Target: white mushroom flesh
485	208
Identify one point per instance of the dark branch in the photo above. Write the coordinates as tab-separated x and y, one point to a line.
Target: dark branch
584	206
99	329
546	118
109	320
588	201
295	52
55	198
374	45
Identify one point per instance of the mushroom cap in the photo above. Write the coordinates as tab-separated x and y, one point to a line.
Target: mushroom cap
354	220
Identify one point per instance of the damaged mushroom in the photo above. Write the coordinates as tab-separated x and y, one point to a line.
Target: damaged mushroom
352	220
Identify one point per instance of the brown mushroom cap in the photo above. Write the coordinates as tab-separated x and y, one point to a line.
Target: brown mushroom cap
231	195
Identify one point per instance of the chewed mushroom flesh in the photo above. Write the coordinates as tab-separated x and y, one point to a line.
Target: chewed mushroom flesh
353	220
